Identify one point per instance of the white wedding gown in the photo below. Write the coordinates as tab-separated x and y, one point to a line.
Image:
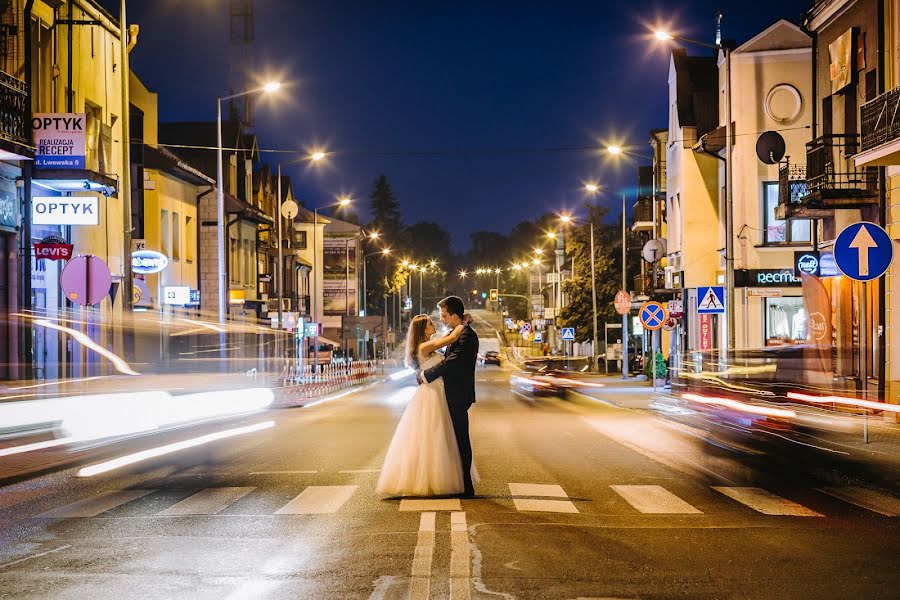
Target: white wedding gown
423	458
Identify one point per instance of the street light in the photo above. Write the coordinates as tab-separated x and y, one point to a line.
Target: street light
384	252
614	150
317	155
220	192
592	188
342	202
595	347
665	36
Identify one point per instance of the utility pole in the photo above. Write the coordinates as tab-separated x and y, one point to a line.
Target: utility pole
624	287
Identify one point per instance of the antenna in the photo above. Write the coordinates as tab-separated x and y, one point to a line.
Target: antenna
719	17
240	46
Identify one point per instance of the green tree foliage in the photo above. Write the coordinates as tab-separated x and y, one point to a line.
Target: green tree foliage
385	209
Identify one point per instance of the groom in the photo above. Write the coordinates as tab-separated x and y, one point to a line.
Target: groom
458	371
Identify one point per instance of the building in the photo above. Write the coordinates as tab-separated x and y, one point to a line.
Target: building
835	189
772	72
692	195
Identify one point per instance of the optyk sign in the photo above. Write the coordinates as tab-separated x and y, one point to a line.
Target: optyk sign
71	210
59	139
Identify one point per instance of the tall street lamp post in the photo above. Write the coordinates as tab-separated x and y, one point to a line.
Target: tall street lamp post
220	194
566	219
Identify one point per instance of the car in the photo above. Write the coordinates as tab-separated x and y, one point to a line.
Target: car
491	357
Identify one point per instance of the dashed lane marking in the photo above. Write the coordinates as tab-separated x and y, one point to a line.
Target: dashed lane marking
437	504
420	583
318	500
766	502
91	507
883	504
460	559
654	499
208	501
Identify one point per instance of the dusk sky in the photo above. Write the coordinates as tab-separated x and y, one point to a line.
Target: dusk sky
478	112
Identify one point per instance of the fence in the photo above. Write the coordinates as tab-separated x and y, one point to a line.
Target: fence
297	386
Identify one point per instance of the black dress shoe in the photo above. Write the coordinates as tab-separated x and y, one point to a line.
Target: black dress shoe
469	493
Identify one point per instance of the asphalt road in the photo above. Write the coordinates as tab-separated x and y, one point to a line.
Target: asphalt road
577	500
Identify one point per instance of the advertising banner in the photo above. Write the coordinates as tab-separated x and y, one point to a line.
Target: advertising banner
340	276
60	140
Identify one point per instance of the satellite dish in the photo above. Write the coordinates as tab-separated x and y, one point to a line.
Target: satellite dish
654	250
289	209
770	147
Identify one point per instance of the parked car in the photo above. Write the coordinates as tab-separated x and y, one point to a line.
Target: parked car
491	357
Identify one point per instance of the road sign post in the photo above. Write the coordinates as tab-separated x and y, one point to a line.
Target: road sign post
622	302
653	315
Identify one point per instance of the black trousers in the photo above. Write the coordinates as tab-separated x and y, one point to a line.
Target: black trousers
459	415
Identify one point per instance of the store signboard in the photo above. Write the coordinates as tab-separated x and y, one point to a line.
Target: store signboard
59	139
177	295
751	278
68	210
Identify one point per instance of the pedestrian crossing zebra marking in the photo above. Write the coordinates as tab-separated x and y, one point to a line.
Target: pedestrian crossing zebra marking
878	502
654	500
766	502
208	501
91	507
318	500
540	504
429	504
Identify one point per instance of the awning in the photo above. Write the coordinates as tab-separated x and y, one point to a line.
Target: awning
325	340
74	180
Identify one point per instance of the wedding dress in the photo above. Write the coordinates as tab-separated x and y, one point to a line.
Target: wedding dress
423	458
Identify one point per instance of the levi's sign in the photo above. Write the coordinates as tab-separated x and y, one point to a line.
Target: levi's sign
65	210
59	139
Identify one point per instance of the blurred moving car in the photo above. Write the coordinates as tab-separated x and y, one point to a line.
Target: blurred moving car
491	357
554	376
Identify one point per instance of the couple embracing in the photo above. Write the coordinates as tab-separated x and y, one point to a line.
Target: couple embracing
430	453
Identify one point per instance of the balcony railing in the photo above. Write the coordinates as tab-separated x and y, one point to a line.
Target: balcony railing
880	120
832	174
791	183
13	110
643	211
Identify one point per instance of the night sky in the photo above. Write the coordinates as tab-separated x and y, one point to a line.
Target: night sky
476	111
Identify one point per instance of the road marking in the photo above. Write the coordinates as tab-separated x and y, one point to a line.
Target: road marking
420	584
208	501
318	500
654	499
38	555
537	489
534	505
441	504
283	472
766	502
361	471
91	507
460	578
883	504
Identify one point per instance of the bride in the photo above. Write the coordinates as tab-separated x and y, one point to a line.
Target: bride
423	458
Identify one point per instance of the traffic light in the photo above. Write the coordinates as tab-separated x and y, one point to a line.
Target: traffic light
495	295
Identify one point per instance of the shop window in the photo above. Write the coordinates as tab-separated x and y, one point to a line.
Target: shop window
777	231
785	321
176	236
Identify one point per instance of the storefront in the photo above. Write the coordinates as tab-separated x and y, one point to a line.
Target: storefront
773	304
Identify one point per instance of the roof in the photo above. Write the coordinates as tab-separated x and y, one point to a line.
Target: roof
697	78
780	35
202	139
167	162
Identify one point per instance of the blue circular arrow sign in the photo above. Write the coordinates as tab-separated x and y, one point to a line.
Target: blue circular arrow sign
863	251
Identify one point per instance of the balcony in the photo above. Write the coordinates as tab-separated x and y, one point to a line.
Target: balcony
13	115
833	180
880	127
642	216
792	189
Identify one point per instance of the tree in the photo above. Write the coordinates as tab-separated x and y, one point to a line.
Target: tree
386	220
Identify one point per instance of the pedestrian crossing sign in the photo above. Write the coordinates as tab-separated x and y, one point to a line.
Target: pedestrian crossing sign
568	334
710	300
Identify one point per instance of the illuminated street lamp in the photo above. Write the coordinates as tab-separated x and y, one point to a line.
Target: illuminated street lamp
614	150
220	193
384	252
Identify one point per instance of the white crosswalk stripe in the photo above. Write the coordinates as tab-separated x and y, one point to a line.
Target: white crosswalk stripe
429	504
541	504
318	500
766	502
883	504
91	507
208	501
654	499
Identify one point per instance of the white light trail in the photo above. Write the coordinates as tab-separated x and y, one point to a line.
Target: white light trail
117	361
740	406
130	459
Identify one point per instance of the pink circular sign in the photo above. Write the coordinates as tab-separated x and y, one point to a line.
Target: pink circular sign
86	280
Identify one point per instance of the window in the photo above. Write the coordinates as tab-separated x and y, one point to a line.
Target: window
785	321
300	239
165	234
191	239
176	236
777	231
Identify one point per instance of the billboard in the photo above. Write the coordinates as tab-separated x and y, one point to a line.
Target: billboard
340	275
59	139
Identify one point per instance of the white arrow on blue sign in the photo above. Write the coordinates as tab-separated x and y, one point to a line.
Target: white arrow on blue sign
863	251
568	334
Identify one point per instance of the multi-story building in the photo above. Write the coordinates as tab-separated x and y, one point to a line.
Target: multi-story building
837	188
771	70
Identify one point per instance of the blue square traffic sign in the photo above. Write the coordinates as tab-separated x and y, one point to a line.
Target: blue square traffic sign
568	334
711	300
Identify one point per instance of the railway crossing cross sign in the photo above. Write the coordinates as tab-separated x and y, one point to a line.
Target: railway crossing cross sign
653	315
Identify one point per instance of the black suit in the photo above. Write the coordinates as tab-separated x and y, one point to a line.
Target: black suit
458	371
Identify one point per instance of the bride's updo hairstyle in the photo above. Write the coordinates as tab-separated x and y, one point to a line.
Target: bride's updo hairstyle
416	338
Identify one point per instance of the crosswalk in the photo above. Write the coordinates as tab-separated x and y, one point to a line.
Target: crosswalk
525	497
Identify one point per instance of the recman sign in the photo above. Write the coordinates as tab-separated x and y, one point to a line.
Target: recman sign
60	210
59	139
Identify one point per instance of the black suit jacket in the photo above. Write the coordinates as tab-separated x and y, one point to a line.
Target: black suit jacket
458	369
